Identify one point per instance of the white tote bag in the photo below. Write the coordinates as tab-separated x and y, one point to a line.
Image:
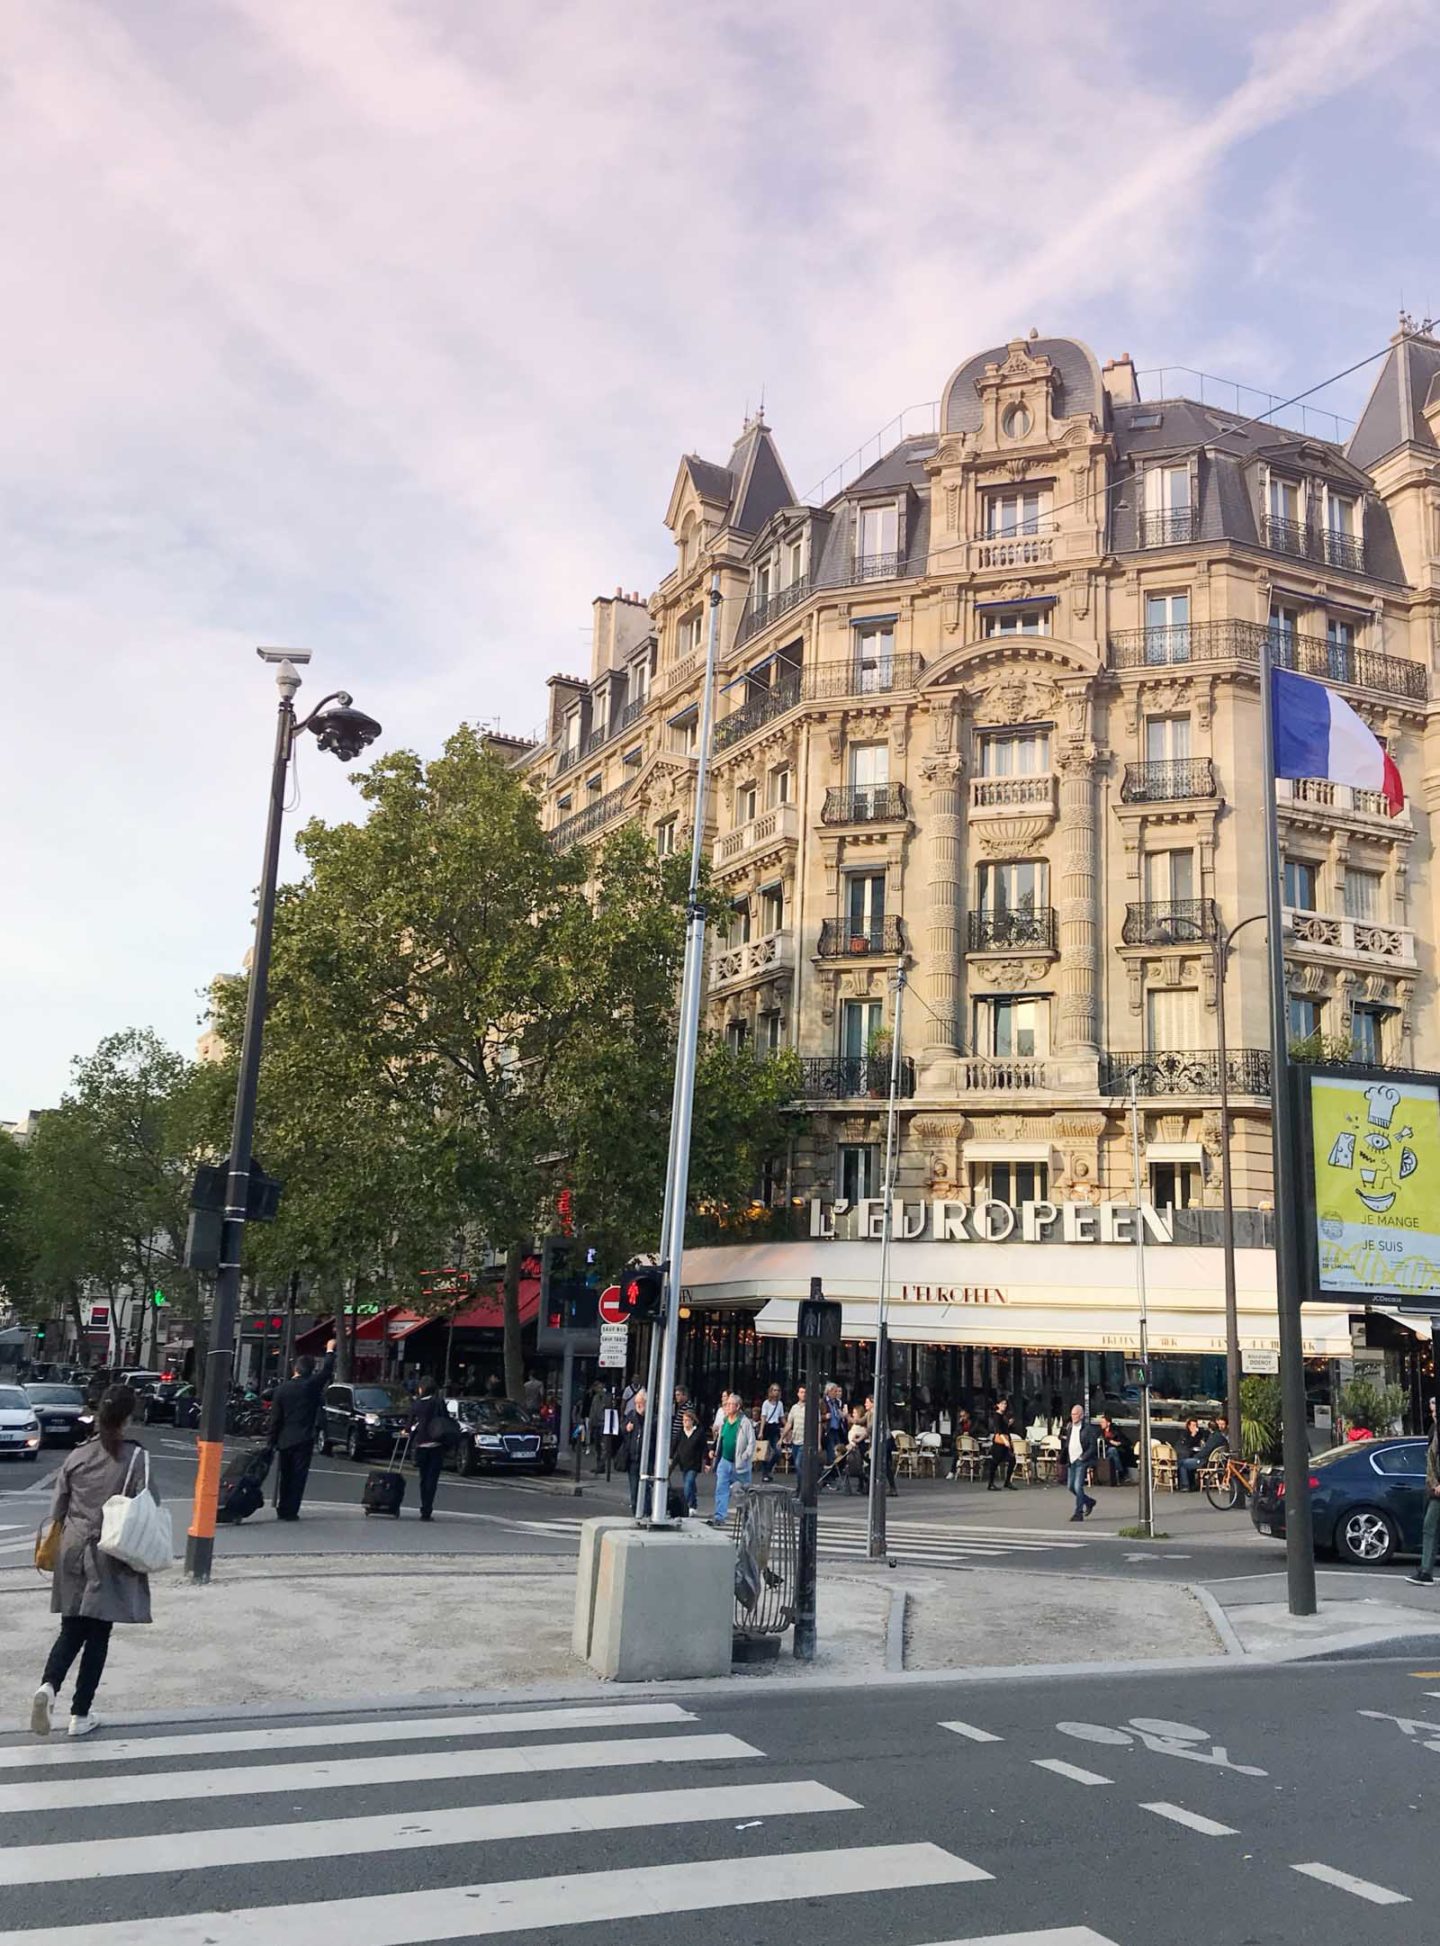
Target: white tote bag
135	1528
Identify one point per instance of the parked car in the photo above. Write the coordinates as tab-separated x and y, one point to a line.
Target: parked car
63	1413
139	1378
1367	1501
500	1433
19	1428
170	1405
365	1419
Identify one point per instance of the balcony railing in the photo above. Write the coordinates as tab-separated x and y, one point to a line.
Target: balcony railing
860	676
755	960
1345	799
568	758
1247	1071
632	713
1004	796
571	830
1022	932
823	1079
877	567
1008	1074
1234	641
863	804
1169	529
600	734
848	939
760	707
681	671
1344	550
1166	781
1015	551
759	614
779	825
1286	536
1328	544
1168	922
1350	938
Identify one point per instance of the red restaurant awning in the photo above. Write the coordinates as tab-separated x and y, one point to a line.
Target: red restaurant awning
487	1313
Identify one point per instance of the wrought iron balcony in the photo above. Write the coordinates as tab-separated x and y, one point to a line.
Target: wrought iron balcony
1326	544
567	760
863	804
1247	1072
1344	550
1169	529
877	567
600	734
852	939
1286	536
760	707
1165	781
571	830
632	712
769	608
1021	932
1169	922
862	676
1234	641
848	1076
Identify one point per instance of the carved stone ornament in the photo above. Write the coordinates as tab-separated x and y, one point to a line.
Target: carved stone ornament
943	772
1010	837
1010	700
1011	974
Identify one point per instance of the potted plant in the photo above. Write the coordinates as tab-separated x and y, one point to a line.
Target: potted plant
877	1059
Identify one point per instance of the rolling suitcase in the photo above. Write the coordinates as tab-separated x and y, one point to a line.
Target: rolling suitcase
385	1488
242	1486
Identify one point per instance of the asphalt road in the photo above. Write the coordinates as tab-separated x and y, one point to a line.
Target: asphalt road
1227	1808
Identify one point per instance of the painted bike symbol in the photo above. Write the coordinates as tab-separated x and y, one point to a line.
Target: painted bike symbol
1165	1738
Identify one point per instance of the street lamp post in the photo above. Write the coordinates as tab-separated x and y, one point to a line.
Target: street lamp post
880	1422
1147	1451
346	731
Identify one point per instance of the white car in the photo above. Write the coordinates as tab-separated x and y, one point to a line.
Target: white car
19	1428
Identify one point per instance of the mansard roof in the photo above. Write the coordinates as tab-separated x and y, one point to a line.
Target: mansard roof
1394	414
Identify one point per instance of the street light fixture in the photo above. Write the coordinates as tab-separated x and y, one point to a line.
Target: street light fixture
346	731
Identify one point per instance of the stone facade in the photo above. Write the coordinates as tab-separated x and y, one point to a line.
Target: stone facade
993	711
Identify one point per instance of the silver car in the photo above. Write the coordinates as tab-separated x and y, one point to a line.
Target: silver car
19	1428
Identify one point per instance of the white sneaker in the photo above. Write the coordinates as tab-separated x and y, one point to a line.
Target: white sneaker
42	1709
84	1726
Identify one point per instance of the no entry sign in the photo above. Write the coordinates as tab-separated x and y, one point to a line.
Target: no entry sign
612	1311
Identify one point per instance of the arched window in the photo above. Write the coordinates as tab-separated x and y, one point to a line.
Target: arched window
687	543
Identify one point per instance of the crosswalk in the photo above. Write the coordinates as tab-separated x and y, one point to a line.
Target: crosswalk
934	1543
438	1828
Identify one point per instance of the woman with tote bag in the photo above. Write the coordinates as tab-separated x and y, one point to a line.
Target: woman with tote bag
93	1588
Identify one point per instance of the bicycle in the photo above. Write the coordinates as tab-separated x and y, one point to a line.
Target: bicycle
1237	1479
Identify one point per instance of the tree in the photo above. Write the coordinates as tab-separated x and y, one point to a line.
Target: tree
15	1255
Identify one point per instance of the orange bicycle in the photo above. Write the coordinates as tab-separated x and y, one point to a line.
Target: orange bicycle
1230	1481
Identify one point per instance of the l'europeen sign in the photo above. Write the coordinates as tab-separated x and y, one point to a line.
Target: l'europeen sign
987	1221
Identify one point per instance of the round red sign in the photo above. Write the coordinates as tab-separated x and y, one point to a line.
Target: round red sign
612	1311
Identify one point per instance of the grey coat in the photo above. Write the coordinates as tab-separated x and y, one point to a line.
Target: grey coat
86	1581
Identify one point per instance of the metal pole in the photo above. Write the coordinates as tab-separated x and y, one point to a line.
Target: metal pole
1147	1456
678	1184
567	1380
1227	1197
805	1565
200	1542
880	1423
1299	1539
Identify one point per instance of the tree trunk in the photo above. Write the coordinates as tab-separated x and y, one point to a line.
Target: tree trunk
514	1350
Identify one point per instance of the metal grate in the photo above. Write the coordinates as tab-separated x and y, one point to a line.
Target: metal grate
765	1527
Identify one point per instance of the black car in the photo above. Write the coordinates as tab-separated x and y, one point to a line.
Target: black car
1367	1500
500	1433
170	1405
365	1419
65	1418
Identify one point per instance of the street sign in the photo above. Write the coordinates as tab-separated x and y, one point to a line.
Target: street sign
611	1308
614	1345
819	1321
1260	1363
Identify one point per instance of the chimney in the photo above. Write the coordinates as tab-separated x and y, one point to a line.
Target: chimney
1119	379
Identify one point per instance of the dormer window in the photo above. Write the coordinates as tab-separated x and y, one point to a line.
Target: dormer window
689	534
1169	516
1285	516
1343	546
1016	422
877	542
794	561
1024	510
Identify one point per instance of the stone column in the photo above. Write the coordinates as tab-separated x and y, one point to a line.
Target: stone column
944	784
1077	1024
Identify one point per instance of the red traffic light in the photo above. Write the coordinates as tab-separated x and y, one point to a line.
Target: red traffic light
642	1293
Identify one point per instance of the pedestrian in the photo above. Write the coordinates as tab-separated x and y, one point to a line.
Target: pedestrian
1217	1443
857	1450
833	1422
632	1426
1002	1447
595	1424
688	1455
433	1431
533	1392
627	1397
291	1433
1082	1451
494	1388
1430	1530
1192	1446
1119	1451
734	1454
681	1407
91	1591
772	1429
795	1428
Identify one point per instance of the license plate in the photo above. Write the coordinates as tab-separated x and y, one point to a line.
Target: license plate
1266	1528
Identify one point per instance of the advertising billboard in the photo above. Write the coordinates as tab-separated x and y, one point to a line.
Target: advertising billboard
1371	1142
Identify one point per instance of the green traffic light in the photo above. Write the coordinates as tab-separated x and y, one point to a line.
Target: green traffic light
159	1299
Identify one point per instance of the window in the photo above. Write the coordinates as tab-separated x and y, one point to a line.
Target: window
865	907
781	785
879	533
688	536
1022	885
1367	1034
1017	621
859	1171
566	803
593	784
1284	504
1169	876
860	1023
682	733
765	579
869	767
794	562
737	1033
639	681
874	657
665	838
1307	1018
747	803
572	731
1010	1025
1408	1460
1339	649
1301	884
1284	624
1023	510
772	1032
1168	515
1014	753
1172	1020
1342	531
1175	1185
772	909
1167	739
737	927
1167	628
1362	894
631	759
1018	1182
1016	422
690	634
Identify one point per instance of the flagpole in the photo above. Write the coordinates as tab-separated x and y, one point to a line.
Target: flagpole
1299	1542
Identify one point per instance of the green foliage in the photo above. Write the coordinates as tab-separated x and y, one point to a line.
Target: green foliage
15	1251
1322	1047
1260	1418
1373	1408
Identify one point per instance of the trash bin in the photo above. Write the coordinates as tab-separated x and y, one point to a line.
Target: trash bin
766	1529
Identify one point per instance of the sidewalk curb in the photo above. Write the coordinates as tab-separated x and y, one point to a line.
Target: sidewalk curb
1221	1623
895	1632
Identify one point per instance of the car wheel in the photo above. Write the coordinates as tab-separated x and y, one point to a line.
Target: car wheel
352	1443
1366	1536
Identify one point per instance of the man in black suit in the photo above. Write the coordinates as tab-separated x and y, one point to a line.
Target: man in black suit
292	1435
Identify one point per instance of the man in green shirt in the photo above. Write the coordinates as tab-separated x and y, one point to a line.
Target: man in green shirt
734	1454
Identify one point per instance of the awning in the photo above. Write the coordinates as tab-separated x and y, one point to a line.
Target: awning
1016	601
487	1313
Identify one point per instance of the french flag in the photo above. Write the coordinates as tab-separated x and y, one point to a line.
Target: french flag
1317	734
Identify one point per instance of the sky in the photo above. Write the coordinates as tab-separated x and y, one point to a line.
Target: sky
379	329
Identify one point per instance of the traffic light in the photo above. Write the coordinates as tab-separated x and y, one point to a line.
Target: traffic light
642	1293
40	1330
569	1293
159	1300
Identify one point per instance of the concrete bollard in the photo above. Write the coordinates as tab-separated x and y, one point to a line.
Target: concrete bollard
663	1602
